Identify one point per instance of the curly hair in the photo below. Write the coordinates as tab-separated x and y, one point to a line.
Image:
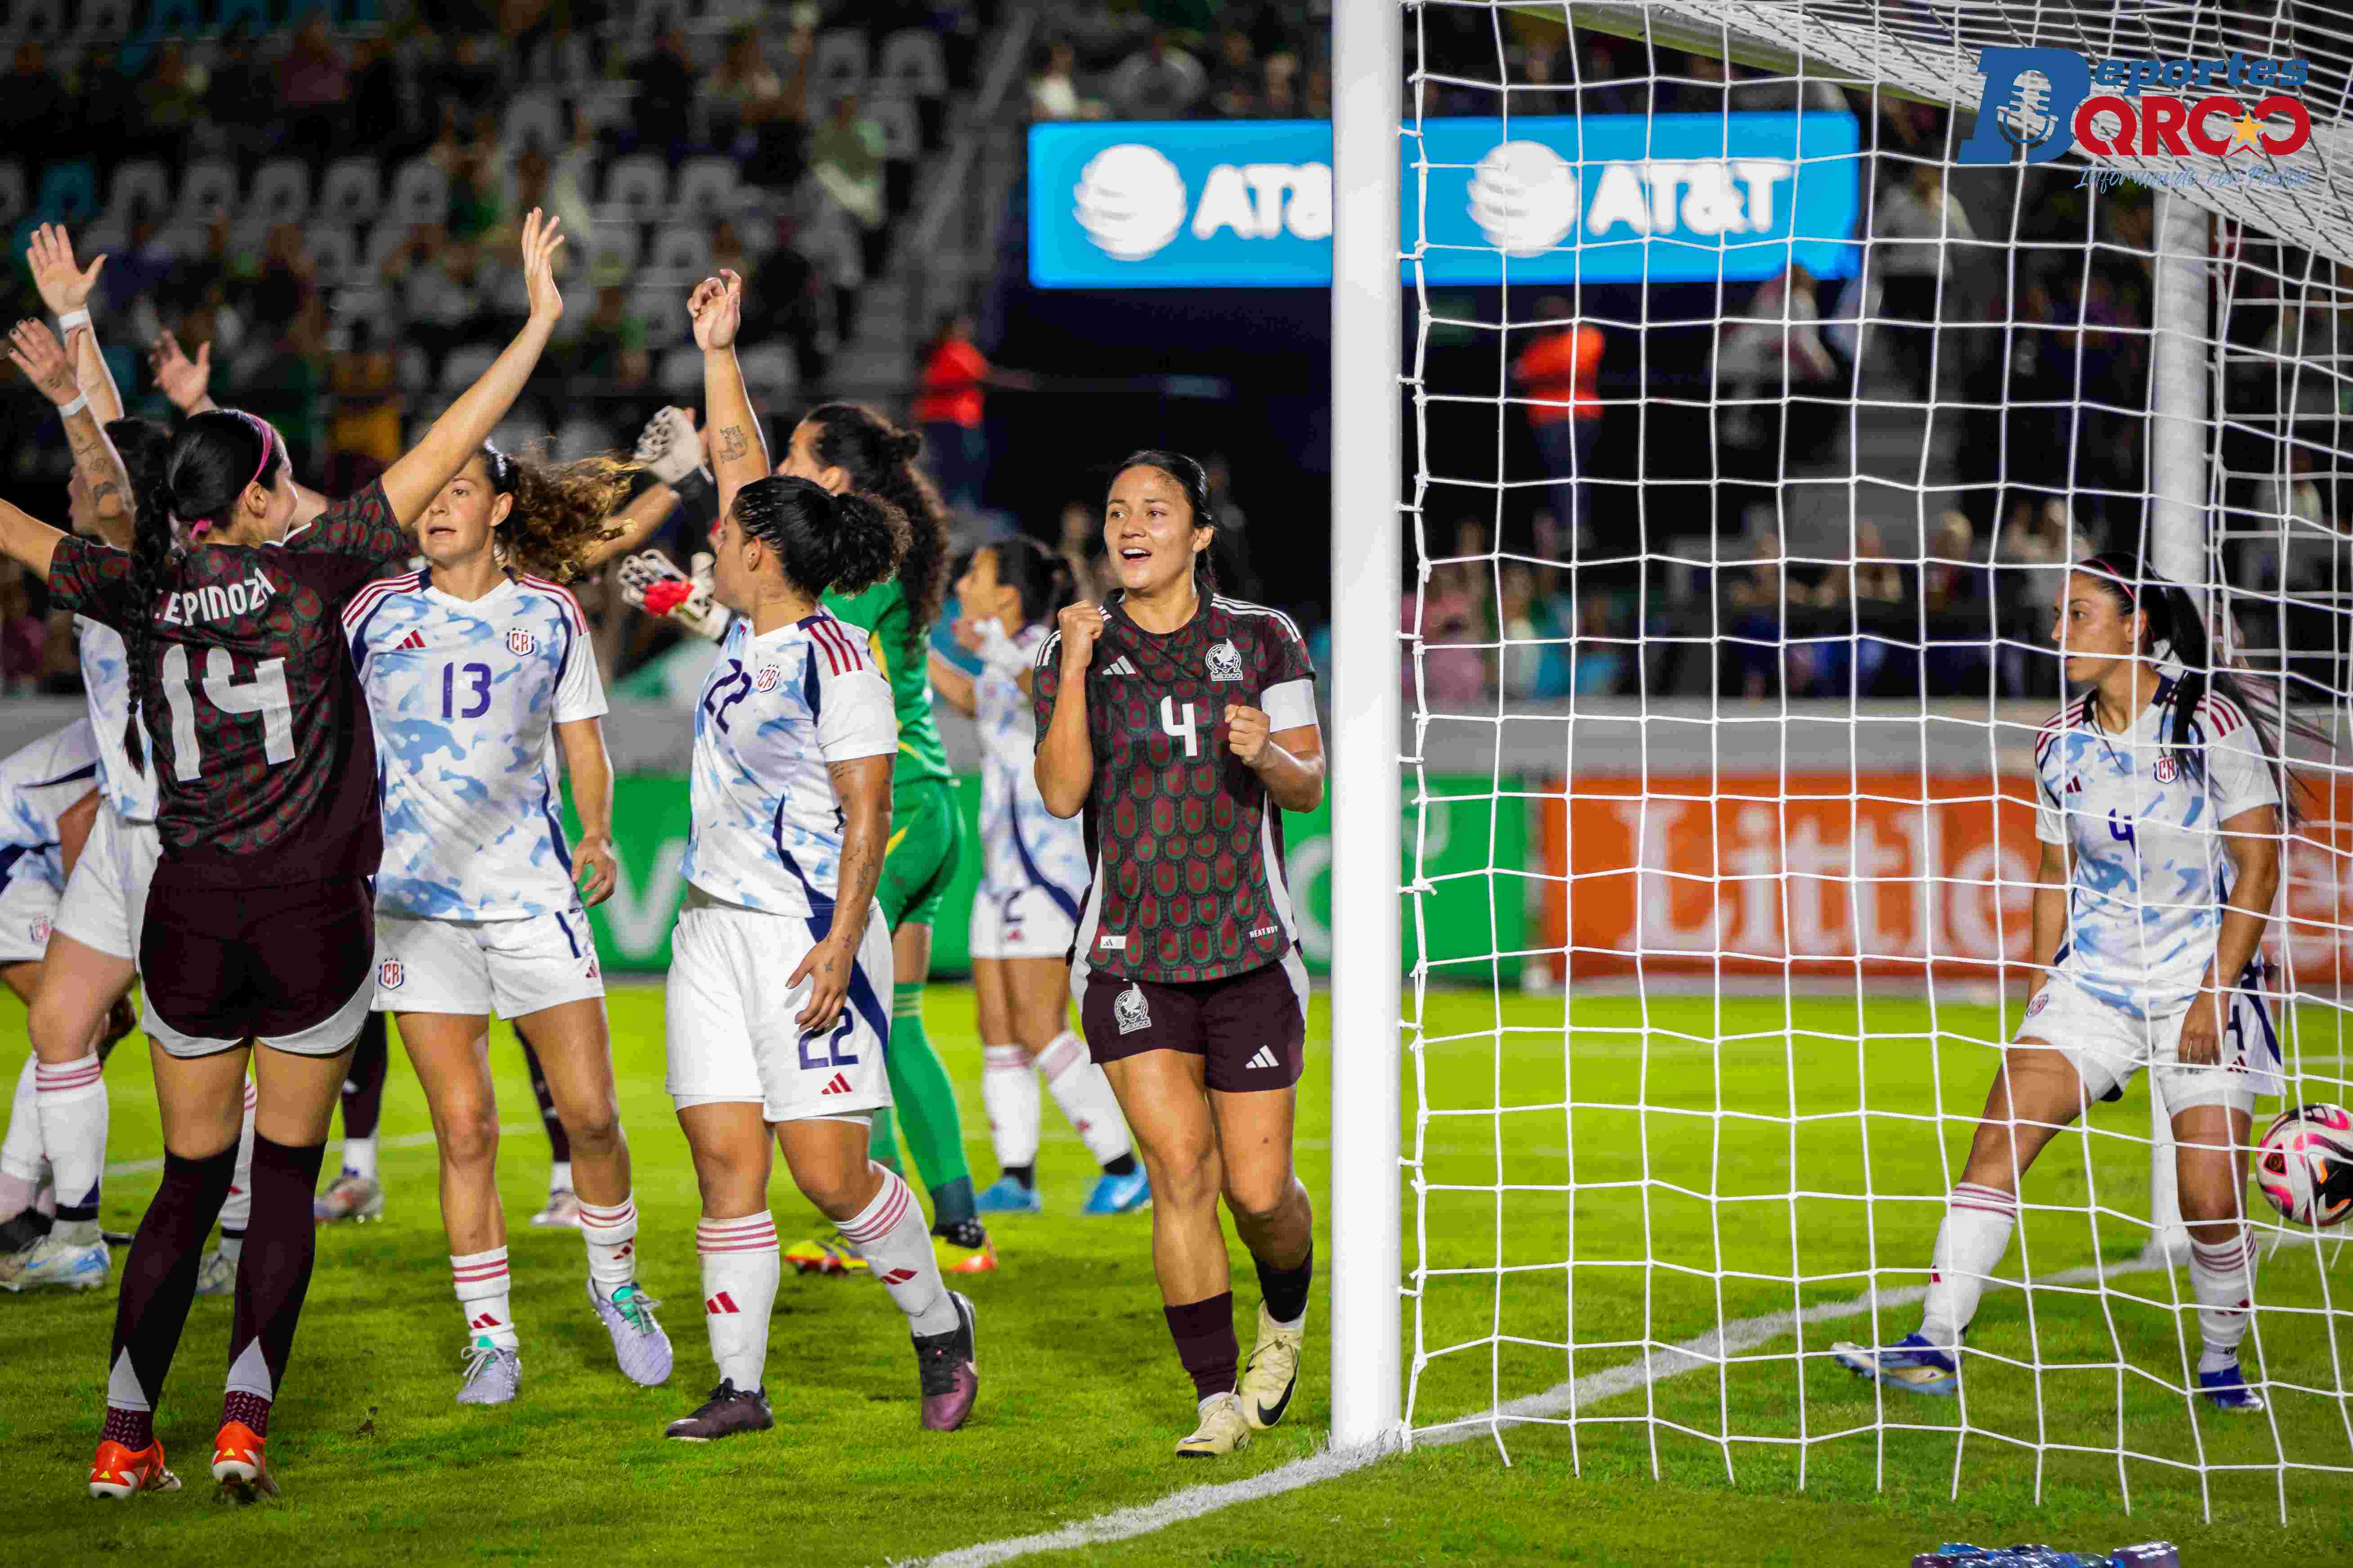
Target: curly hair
561	510
879	459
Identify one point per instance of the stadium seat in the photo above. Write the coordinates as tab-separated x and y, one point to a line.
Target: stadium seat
415	368
902	128
582	438
252	16
108	19
68	192
770	370
37	20
184	241
139	183
383	239
913	62
13	200
207	191
419	193
680	250
679	372
841	59
534	118
282	191
662	307
465	365
175	19
518	432
352	191
613	251
636	188
334	252
706	187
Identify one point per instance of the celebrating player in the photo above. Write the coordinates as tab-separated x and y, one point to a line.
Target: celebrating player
1193	721
1033	874
780	956
477	670
258	929
2158	814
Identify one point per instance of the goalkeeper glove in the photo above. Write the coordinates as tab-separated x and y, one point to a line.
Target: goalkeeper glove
653	582
672	453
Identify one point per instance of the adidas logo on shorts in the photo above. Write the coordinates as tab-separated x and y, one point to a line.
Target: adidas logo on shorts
837	1084
1265	1059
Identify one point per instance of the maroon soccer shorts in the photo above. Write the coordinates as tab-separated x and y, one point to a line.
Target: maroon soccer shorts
1249	1030
292	967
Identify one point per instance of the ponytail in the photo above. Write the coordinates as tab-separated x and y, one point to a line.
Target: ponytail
1043	578
881	460
869	540
823	543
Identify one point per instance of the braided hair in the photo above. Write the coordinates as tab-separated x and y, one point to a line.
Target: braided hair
879	459
561	509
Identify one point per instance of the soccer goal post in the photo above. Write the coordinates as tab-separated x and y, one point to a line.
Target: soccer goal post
1728	383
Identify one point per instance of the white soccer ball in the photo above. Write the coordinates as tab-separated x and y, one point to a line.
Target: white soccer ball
2304	1164
1130	201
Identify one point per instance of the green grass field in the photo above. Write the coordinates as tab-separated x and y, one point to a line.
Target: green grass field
1082	1398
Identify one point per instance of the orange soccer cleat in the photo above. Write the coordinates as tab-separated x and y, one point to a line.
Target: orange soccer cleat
238	1463
118	1472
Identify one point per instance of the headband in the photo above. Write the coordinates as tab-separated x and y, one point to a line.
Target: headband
501	468
268	434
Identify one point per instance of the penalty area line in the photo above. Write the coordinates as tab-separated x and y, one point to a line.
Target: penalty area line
1695	1354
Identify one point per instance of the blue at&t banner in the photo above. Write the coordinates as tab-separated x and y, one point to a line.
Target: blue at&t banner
1606	198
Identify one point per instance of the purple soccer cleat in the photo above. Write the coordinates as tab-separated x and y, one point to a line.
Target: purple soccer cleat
947	1373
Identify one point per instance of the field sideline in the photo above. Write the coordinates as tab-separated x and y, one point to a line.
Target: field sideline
1082	1400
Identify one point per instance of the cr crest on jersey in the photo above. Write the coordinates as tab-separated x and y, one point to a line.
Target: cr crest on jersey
1225	661
1130	1010
2166	770
40	932
521	642
764	678
389	974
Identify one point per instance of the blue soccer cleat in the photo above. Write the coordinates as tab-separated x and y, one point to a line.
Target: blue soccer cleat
1005	1195
1120	1194
2228	1390
1912	1364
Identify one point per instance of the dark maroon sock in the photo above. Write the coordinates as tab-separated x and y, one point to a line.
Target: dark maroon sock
134	1429
1285	1290
364	1079
249	1409
1204	1332
159	1281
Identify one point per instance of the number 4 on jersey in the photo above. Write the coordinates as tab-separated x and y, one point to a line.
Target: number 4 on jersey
1171	724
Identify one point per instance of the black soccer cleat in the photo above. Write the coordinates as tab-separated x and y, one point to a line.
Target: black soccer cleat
727	1412
947	1371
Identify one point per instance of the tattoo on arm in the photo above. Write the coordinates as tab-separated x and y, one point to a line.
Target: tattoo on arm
730	443
101	470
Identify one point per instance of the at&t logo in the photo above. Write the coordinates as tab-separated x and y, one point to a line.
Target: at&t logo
1528	199
1132	200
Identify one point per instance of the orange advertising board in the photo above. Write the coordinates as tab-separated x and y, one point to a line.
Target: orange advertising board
1823	873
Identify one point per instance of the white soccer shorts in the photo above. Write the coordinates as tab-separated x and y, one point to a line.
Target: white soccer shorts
105	900
28	907
1027	922
473	968
734	1030
2108	1045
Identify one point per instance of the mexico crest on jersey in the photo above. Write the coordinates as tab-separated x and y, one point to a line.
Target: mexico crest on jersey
1225	661
764	678
520	641
1130	1011
389	974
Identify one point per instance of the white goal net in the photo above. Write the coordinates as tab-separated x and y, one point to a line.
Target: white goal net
1753	409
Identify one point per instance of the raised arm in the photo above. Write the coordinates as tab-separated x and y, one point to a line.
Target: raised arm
739	452
954	685
411	484
672	454
66	289
27	538
186	382
50	369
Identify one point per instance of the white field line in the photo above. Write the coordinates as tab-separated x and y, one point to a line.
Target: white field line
405	1140
1695	1354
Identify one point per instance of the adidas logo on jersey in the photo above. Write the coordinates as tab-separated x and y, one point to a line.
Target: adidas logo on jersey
1121	667
1264	1059
217	602
2074	784
412	641
837	1084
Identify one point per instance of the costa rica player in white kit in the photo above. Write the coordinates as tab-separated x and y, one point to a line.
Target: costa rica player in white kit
477	671
2159	807
1034	877
781	958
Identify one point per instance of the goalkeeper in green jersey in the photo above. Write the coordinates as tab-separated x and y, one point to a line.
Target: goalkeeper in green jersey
850	446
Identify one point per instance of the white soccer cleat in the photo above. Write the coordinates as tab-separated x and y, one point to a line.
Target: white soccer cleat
1272	1375
638	1342
350	1197
54	1265
215	1276
1224	1427
1912	1364
494	1374
563	1210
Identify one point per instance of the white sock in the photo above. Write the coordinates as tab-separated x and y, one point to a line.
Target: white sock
240	1206
611	1233
20	1149
890	1234
740	1270
483	1287
1009	1089
1971	1240
559	1177
359	1156
2223	1277
1082	1091
71	1097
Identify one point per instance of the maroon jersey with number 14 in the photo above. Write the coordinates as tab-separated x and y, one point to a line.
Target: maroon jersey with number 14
258	727
1186	847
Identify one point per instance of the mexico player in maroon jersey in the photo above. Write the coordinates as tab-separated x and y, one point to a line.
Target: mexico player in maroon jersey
260	928
1194	729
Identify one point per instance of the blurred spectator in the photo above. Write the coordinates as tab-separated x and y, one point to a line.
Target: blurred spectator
24	635
32	99
1081	538
1915	225
363	438
283	380
951	411
1771	350
1278	93
2296	549
240	97
1230	550
1957	608
1536	654
846	156
1054	91
170	102
666	80
791	300
613	339
1558	375
313	82
742	94
438	284
534	180
1603	657
1752	612
467	152
1443	673
1233	82
1159	82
